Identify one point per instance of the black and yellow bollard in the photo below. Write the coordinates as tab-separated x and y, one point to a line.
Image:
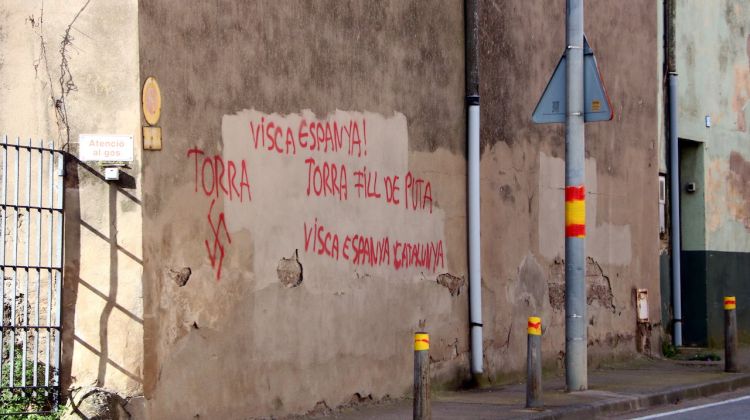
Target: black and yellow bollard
534	364
422	408
730	334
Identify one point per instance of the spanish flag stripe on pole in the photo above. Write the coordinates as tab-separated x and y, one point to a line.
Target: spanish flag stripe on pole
575	211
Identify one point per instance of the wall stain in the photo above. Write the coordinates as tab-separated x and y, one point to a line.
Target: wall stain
612	340
739	188
723	57
321	409
742	89
506	192
556	285
599	286
358	399
453	283
532	282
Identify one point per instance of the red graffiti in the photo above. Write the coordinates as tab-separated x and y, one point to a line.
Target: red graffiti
367	181
391	189
417	193
420	255
420	192
219	177
348	137
324	179
218	246
368	250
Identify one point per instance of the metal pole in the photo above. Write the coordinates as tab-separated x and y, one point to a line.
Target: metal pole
674	202
475	245
13	323
730	334
50	255
575	204
59	263
534	363
2	250
39	186
422	409
26	270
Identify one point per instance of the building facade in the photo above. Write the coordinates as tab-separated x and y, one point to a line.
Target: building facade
305	211
712	64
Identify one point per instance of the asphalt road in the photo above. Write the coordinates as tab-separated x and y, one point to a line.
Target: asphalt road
734	405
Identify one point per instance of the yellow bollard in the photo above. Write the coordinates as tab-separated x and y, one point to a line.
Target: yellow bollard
422	410
730	334
534	363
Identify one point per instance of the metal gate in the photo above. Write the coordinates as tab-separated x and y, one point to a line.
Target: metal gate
31	205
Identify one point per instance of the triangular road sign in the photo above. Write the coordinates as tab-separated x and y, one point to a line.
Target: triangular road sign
597	107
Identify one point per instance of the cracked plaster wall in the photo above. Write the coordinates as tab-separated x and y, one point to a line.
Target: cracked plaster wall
297	329
300	346
523	180
346	329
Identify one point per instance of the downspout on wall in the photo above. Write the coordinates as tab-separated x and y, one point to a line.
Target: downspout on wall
471	16
674	168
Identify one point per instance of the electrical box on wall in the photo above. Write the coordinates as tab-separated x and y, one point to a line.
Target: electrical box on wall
111	174
662	203
641	296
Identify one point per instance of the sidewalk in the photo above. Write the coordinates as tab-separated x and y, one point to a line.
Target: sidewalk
616	389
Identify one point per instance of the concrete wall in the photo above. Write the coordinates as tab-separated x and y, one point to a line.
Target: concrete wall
305	287
523	179
237	212
54	87
265	284
713	60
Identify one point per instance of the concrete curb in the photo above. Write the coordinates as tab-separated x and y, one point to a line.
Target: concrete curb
650	400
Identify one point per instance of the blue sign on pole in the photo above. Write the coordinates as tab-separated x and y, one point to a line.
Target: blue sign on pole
597	107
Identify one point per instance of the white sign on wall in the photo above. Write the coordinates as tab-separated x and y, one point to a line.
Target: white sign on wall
105	147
